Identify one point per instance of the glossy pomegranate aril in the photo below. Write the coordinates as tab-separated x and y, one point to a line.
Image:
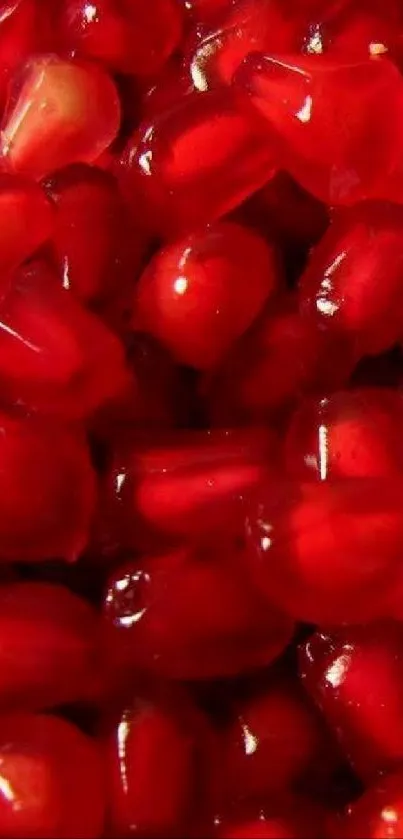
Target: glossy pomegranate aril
352	434
51	779
214	52
95	248
49	647
55	356
59	113
328	553
26	222
378	814
201	293
154	764
192	615
45	470
352	284
184	484
19	37
128	37
356	677
310	103
194	163
272	739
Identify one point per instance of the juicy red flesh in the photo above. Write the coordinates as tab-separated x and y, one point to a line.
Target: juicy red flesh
201	413
199	295
52	779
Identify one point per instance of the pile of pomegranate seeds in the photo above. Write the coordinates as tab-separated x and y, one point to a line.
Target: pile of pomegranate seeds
201	419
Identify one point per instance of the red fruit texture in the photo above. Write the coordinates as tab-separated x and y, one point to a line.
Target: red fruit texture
199	295
97	252
45	471
192	614
350	434
352	284
194	163
184	484
51	779
328	552
378	814
59	112
148	795
127	37
310	104
50	647
56	357
356	677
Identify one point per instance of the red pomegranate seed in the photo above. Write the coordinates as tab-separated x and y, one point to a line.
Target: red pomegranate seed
352	434
272	739
128	37
378	814
352	284
45	472
49	647
18	38
356	677
310	103
95	248
51	779
328	553
281	357
194	163
198	295
215	51
60	112
55	356
26	221
358	33
183	484
205	10
192	615
155	764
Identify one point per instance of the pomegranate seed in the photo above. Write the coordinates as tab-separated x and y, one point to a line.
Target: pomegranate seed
328	553
91	237
348	434
194	163
52	783
128	37
55	356
183	484
205	10
165	92
377	814
59	113
18	38
26	218
272	739
49	648
147	795
45	470
192	615
201	293
214	52
352	284
310	104
355	676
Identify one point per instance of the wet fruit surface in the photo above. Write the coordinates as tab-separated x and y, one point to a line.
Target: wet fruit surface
201	412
